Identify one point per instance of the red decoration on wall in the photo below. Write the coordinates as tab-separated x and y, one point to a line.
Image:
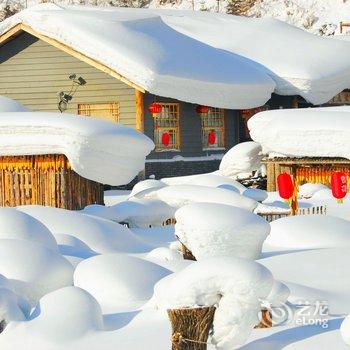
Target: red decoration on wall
202	110
339	184
165	139
154	108
285	185
211	137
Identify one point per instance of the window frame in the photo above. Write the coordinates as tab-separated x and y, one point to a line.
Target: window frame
166	128
205	129
81	107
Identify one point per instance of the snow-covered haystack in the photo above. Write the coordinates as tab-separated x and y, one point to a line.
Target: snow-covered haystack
118	279
97	150
143	212
179	195
33	269
100	235
309	232
306	132
210	229
235	286
9	105
242	158
17	225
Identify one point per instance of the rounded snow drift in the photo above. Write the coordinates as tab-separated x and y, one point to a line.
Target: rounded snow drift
33	269
9	105
209	229
17	225
309	232
256	194
66	314
345	330
146	186
118	279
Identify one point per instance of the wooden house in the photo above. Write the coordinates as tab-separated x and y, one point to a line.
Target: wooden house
34	69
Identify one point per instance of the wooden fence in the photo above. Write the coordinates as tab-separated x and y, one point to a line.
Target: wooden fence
45	180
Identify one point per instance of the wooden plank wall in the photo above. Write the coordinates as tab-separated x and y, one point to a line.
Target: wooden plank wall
33	72
45	180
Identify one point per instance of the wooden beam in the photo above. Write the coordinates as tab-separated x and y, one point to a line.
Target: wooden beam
140	114
16	30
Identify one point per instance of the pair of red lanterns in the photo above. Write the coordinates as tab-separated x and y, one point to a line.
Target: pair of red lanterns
339	185
166	138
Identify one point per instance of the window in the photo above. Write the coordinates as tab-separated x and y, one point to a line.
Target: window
246	115
213	129
168	123
107	111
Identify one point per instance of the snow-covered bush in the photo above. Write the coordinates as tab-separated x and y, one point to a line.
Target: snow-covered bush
235	286
118	279
242	158
309	232
210	229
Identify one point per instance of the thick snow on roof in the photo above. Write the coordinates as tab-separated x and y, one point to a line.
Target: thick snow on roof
97	150
144	48
308	132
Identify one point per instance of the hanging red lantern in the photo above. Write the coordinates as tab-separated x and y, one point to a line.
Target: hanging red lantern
165	139
211	137
202	110
339	185
154	108
285	185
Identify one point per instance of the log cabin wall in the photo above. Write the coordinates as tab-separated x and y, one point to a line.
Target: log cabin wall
45	180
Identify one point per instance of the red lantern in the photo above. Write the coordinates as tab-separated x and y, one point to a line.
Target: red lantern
165	139
339	185
285	185
154	108
202	110
211	137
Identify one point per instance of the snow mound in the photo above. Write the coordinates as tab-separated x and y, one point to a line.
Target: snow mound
305	132
278	295
345	330
101	211
100	235
179	195
105	152
242	158
315	275
116	279
210	229
66	314
9	105
144	212
234	285
256	194
17	225
146	186
309	232
308	190
33	269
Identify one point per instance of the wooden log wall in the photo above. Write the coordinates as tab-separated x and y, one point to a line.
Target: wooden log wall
45	180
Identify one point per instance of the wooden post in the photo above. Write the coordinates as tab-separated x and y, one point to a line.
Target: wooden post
190	327
2	325
140	115
187	254
266	319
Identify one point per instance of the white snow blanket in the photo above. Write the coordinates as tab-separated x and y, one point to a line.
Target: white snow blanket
144	47
309	132
242	158
105	152
211	229
234	285
9	105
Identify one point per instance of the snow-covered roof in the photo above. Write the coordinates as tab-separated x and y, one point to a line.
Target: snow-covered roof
206	58
305	132
105	152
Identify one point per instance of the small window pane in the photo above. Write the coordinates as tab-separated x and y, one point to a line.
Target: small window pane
106	111
213	123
